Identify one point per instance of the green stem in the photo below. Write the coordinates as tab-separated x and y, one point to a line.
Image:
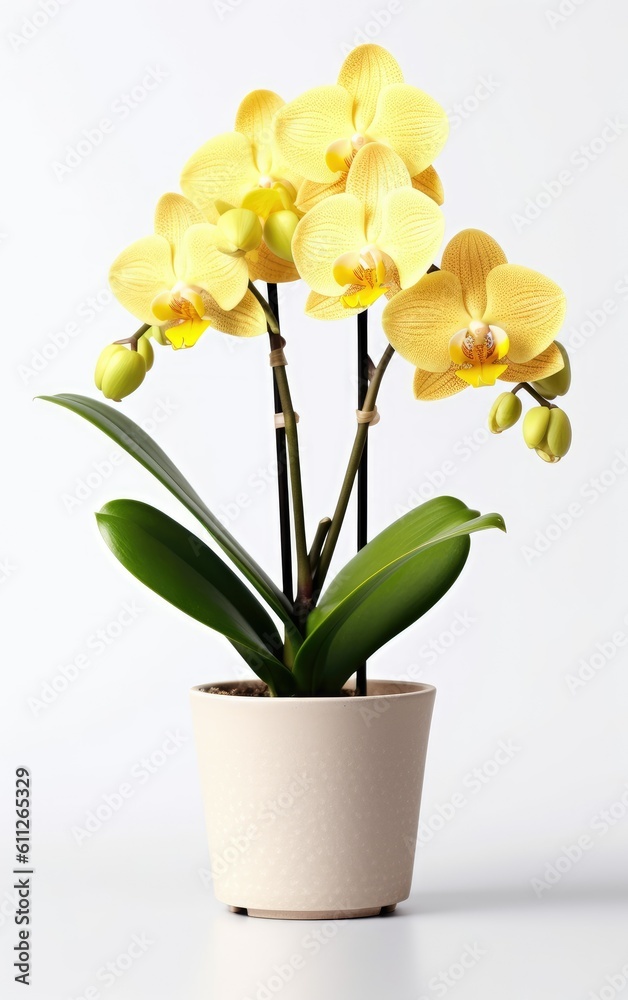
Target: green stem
303	602
535	395
319	538
271	320
352	469
132	340
304	573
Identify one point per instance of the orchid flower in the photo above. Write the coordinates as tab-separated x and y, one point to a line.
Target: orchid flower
379	235
477	320
179	281
243	169
321	131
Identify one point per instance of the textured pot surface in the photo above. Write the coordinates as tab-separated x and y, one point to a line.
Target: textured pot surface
312	804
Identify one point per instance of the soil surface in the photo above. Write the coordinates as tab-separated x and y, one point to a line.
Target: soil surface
252	691
258	691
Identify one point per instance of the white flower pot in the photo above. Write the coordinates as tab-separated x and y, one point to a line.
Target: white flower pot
312	804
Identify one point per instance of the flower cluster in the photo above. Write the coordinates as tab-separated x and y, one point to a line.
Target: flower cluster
338	188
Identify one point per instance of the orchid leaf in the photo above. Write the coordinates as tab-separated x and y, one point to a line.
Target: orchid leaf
141	446
386	587
178	566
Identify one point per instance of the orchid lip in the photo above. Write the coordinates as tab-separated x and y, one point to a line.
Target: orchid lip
478	352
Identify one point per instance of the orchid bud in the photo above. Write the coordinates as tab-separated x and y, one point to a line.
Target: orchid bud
239	230
278	233
558	383
548	431
145	348
157	334
122	373
504	413
105	356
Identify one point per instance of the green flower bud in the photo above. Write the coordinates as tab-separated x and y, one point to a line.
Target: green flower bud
535	425
557	384
278	233
103	361
157	334
548	431
145	348
239	230
123	374
558	434
505	412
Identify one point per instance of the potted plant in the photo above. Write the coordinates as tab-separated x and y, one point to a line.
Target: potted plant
312	780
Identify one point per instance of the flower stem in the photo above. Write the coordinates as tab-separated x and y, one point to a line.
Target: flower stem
272	321
361	436
132	340
303	601
535	395
319	538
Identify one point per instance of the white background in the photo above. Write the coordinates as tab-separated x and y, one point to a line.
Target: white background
534	618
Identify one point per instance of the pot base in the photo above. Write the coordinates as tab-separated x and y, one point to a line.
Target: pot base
368	911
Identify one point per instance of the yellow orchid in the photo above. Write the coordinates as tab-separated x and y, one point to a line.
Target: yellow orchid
321	131
179	281
376	237
476	320
243	169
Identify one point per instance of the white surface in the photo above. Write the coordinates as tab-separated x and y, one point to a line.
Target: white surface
530	621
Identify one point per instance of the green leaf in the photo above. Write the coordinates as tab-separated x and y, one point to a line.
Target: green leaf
141	446
179	567
387	586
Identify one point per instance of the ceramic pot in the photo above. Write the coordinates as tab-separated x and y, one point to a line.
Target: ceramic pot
312	804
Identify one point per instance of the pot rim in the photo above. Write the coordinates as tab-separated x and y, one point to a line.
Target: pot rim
412	688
